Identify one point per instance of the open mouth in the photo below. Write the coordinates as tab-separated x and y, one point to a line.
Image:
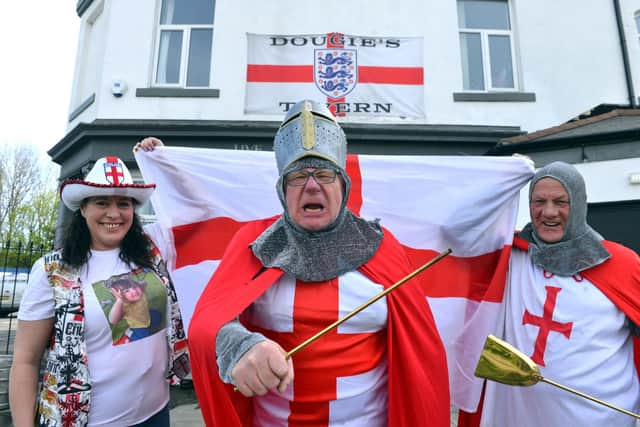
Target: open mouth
313	207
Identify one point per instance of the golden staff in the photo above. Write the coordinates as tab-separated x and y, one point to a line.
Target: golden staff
503	363
368	303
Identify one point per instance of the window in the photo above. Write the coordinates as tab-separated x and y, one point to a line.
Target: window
636	17
486	45
146	212
185	39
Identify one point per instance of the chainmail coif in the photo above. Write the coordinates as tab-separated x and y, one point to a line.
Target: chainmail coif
581	247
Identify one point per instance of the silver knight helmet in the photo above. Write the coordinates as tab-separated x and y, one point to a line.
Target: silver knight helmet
309	129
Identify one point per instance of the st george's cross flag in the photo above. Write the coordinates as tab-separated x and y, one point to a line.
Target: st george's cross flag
430	203
354	75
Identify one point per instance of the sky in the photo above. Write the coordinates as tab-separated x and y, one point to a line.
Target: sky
38	43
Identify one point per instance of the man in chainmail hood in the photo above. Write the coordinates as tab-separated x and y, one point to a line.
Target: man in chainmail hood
315	239
571	304
286	278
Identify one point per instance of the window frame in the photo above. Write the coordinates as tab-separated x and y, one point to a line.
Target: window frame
485	33
186	30
146	212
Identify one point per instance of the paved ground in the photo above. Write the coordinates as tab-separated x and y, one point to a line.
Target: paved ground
185	411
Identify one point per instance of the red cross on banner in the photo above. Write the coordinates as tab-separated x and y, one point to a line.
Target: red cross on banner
546	324
373	76
200	241
335	41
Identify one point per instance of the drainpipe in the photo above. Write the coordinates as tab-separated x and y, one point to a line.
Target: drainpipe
625	55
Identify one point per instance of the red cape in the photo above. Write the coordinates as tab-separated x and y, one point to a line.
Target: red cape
618	278
418	386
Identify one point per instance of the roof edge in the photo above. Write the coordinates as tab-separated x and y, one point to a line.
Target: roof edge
532	136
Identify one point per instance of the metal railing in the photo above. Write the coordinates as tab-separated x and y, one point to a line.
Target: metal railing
16	259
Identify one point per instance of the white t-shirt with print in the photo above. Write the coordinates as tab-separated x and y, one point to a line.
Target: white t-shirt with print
128	379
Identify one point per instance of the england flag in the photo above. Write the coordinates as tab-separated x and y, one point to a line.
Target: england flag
430	203
355	75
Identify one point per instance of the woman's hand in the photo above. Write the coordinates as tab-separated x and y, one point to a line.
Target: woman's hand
148	144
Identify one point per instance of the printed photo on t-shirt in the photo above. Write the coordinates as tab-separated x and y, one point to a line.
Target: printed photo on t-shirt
134	303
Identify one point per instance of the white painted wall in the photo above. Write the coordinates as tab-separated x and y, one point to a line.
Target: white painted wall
569	56
628	10
90	57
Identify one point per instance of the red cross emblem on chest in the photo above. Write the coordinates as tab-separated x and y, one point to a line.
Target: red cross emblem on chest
546	324
318	366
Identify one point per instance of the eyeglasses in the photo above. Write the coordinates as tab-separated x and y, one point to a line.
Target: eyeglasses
299	178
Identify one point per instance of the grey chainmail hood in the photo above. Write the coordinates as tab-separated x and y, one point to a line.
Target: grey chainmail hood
581	247
314	256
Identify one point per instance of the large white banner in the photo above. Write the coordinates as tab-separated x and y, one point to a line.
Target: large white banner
354	75
430	203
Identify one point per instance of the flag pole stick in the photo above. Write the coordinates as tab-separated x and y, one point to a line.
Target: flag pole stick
586	396
368	303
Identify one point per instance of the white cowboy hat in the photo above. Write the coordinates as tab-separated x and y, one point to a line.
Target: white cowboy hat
108	177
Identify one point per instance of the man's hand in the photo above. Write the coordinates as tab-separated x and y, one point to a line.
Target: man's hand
261	369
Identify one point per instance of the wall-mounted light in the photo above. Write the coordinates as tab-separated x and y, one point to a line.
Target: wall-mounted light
634	178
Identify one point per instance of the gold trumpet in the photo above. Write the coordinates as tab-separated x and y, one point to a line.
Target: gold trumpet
503	363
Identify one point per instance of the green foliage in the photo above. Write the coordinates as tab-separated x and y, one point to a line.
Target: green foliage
18	255
38	218
28	204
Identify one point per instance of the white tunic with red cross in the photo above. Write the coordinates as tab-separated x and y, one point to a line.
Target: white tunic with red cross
340	379
578	338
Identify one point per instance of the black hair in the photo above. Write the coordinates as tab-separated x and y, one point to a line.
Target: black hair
135	248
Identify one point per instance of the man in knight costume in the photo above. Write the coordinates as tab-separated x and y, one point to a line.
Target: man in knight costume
286	278
571	304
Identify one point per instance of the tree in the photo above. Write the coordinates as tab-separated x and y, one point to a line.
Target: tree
28	201
38	218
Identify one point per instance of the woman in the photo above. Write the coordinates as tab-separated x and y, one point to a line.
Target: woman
100	370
